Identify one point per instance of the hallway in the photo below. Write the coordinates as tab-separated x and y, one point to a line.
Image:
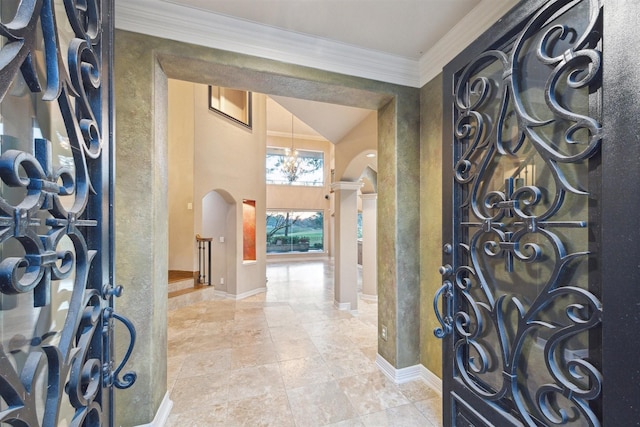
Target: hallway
286	357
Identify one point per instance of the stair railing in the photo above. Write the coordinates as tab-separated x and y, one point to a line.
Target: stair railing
204	259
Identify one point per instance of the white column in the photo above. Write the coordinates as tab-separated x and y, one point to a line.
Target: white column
369	246
346	244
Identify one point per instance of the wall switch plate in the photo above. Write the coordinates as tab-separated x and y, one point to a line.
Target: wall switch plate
221	239
222	280
383	333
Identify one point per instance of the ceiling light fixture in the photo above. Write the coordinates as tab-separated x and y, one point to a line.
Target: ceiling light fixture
291	163
371	155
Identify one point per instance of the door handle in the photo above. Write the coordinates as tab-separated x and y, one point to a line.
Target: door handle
445	319
111	375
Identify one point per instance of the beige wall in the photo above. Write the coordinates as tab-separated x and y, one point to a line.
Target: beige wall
231	158
350	161
200	162
210	153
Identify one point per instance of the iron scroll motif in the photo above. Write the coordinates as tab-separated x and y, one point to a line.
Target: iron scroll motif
524	226
69	360
446	320
110	374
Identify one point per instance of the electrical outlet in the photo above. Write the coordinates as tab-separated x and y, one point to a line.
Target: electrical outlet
383	333
222	280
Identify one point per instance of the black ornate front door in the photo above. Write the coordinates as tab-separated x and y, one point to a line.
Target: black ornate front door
522	305
56	203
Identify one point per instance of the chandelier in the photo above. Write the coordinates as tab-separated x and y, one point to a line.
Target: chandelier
291	163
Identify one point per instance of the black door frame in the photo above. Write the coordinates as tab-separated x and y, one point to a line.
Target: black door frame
620	268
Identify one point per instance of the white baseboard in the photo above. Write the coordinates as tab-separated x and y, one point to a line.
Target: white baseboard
162	415
250	293
226	295
432	380
303	256
345	306
342	306
410	373
398	376
221	294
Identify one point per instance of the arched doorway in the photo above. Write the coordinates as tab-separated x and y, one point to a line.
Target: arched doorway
219	223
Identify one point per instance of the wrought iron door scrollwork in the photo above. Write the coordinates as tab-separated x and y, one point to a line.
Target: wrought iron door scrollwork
525	226
58	203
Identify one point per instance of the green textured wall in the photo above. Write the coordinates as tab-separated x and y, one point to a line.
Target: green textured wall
141	225
142	66
430	219
387	279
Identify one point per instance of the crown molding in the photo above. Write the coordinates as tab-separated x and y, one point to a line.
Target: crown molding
469	28
175	22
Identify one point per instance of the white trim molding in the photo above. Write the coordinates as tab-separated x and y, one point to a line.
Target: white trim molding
346	185
162	414
369	196
249	293
342	306
411	373
226	295
432	380
345	306
461	35
398	376
301	257
177	22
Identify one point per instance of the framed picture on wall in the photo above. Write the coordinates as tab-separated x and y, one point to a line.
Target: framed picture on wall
233	104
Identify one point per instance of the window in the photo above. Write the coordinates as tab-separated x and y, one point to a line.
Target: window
295	231
308	170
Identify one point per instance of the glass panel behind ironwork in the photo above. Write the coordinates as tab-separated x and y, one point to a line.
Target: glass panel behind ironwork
526	146
54	251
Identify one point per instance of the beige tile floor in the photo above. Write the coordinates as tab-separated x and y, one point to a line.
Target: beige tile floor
287	357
